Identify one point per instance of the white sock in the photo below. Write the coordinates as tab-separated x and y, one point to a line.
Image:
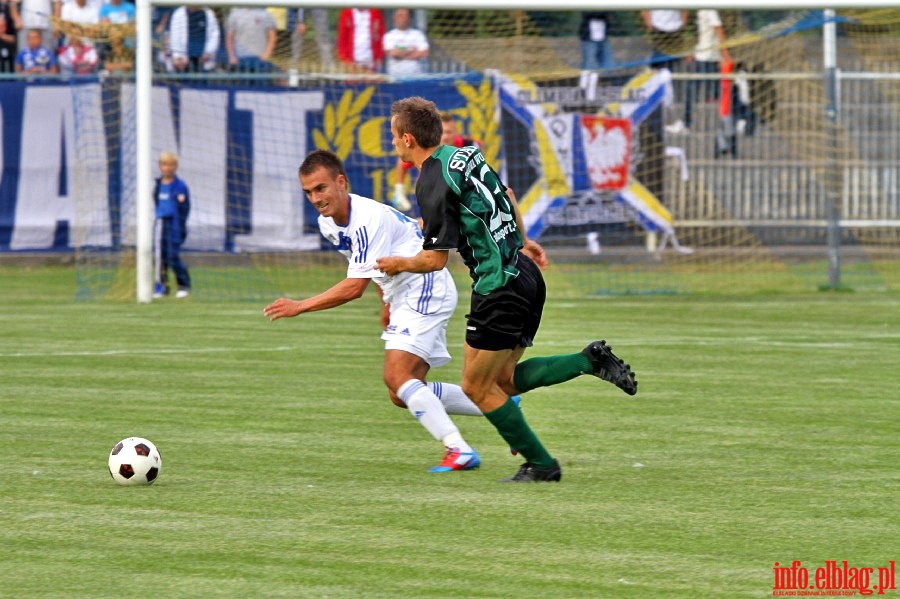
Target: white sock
430	412
454	400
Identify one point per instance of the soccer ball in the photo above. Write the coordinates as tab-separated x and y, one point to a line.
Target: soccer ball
134	461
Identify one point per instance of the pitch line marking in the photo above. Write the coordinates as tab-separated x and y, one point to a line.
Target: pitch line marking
126	352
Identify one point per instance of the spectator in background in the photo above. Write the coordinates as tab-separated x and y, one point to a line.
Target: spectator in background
7	47
193	39
666	29
119	58
250	40
298	30
707	58
406	48
37	14
79	18
35	58
160	18
78	57
80	11
119	16
359	39
116	12
296	26
593	32
287	26
9	11
322	31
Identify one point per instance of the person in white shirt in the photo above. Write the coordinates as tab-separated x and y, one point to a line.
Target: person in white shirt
80	11
416	306
37	14
194	38
707	58
405	47
83	13
666	28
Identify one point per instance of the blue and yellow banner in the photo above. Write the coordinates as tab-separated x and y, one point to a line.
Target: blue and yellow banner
68	156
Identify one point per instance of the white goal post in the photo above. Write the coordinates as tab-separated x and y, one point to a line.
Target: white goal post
144	74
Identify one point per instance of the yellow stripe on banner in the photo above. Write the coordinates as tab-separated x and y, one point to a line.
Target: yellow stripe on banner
742	39
638	81
521	80
650	201
552	172
526	84
527	200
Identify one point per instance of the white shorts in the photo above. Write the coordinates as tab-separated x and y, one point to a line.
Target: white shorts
419	316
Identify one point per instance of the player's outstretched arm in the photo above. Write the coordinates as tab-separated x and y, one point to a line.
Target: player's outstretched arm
424	261
345	291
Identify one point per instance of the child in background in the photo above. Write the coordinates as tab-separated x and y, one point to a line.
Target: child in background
173	204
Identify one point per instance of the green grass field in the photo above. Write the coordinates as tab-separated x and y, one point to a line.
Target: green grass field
766	429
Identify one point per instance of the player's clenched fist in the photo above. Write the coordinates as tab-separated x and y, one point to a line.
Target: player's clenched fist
389	265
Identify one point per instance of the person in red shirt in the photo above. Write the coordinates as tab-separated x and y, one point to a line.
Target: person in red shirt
359	35
449	137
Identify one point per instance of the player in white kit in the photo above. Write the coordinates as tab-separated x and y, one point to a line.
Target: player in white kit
417	307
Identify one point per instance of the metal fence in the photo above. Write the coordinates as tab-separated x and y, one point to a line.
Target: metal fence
785	162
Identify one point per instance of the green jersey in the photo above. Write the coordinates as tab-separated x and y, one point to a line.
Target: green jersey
464	206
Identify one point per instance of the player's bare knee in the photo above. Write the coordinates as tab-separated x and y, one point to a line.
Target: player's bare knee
393	384
476	393
508	387
396	400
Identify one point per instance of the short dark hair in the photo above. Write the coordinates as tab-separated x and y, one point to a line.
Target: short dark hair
322	159
420	118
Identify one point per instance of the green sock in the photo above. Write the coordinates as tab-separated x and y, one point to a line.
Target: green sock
549	370
510	423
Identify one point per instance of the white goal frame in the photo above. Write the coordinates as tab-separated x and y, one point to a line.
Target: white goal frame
144	74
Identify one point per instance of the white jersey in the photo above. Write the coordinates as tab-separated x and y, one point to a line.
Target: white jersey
707	48
667	21
375	230
404	39
421	304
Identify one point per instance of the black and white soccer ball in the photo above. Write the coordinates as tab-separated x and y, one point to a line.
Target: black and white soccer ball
134	461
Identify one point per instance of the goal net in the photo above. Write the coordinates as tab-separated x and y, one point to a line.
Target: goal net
645	161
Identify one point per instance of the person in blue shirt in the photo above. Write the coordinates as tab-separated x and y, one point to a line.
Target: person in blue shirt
35	58
116	12
173	204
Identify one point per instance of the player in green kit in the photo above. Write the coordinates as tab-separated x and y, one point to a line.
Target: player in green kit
465	207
